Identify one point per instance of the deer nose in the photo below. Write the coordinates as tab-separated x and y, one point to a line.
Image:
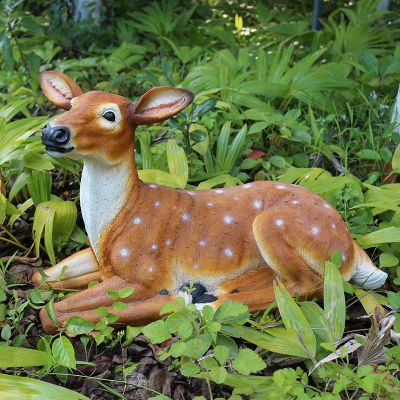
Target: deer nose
56	135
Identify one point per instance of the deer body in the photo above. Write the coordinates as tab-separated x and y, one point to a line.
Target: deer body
231	241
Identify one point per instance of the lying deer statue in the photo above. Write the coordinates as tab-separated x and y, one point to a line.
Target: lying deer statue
231	242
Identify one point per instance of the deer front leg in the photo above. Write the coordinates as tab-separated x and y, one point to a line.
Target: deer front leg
74	272
143	305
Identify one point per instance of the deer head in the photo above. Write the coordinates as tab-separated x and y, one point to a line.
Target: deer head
99	125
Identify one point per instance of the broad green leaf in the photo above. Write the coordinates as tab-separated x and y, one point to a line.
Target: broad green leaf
189	369
157	331
396	159
387	260
334	301
231	312
294	319
381	236
18	387
277	340
131	332
39	186
222	145
177	162
63	352
218	374
247	362
371	301
221	353
319	324
78	326
11	357
195	348
160	178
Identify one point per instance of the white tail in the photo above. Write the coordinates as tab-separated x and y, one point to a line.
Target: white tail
365	273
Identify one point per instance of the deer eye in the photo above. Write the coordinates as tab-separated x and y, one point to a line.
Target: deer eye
109	116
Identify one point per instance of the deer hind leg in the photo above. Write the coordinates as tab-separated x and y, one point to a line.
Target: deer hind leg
254	289
143	306
290	249
74	272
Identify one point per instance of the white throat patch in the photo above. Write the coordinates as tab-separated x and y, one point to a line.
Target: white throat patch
103	193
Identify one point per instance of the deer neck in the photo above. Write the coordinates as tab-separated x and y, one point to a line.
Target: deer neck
104	191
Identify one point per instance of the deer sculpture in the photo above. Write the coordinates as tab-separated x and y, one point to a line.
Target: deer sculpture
232	242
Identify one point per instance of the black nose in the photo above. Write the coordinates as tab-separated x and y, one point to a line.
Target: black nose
56	135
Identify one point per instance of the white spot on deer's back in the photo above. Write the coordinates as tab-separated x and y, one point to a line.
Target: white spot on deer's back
315	231
150	269
247	185
196	266
220	191
154	247
280	186
157	204
228	219
258	204
124	252
152	186
279	222
333	225
185	217
228	252
202	243
168	242
137	220
295	202
326	205
191	193
210	204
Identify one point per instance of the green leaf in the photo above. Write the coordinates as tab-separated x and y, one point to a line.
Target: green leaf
218	374
13	357
248	362
78	326
196	347
294	319
121	294
387	260
18	387
189	369
334	301
131	332
386	235
177	162
319	324
277	340
231	312
221	353
157	332
396	159
63	352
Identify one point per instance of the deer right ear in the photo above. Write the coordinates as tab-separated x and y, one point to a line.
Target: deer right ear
159	104
59	88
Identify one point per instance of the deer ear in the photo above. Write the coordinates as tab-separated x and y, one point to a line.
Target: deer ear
159	104
59	88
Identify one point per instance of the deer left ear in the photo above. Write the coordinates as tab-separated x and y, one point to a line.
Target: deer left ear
159	104
59	88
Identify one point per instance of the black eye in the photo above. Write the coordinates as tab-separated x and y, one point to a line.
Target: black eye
109	116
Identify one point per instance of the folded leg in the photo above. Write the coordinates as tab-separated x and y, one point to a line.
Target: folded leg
257	292
143	306
74	272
